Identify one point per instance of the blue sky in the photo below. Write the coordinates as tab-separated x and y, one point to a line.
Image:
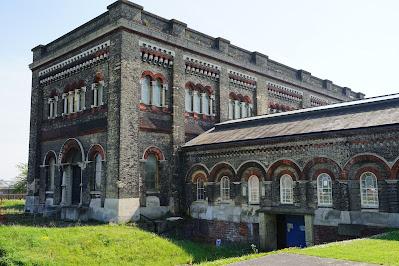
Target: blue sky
353	43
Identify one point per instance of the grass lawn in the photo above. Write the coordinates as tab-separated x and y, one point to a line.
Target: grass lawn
381	249
29	240
12	204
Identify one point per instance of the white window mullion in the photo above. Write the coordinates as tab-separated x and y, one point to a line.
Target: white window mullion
163	98
100	93
55	103
70	102
77	100
83	99
94	89
65	103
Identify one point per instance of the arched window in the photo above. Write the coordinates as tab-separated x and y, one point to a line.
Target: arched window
253	189
97	173
156	93
188	99
324	190
151	172
205	103
225	188
369	190
200	188
286	191
237	109
145	90
196	102
51	174
231	109
244	109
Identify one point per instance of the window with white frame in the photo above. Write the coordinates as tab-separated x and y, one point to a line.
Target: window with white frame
324	190
188	99
52	107
51	175
239	107
286	189
369	190
225	188
97	93
231	109
74	101
145	89
156	93
200	188
196	102
200	102
205	99
253	189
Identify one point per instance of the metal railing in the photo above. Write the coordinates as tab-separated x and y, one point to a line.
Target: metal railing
12	196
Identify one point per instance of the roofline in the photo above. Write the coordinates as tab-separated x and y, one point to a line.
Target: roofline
312	109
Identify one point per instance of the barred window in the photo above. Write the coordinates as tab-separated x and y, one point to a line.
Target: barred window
200	188
286	189
369	190
225	188
324	190
253	189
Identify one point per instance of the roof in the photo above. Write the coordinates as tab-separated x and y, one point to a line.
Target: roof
371	112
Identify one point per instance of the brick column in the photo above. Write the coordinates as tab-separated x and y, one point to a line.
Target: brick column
267	231
222	97
309	230
261	103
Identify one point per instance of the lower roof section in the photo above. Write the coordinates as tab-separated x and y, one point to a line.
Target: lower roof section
372	112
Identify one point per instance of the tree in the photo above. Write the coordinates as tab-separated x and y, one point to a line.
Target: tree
21	184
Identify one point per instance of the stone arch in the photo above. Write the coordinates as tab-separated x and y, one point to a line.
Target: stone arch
283	165
153	150
196	171
68	146
319	165
395	169
49	154
95	149
222	169
249	168
369	161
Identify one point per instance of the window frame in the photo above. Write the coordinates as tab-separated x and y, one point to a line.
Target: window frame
324	192
225	190
200	190
286	192
365	204
253	186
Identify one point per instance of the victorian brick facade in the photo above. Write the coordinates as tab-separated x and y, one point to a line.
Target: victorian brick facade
114	101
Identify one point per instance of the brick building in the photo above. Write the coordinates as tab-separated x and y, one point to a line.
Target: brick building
117	104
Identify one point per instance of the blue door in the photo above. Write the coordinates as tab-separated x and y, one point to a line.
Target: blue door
295	231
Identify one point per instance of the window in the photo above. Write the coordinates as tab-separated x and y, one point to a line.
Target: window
145	90
52	107
237	110
253	189
151	172
97	173
286	191
225	188
188	99
324	190
205	103
244	109
196	102
74	101
231	109
51	175
98	91
156	93
369	190
200	189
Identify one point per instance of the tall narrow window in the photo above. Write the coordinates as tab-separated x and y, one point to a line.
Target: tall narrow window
151	172
65	103
145	90
52	107
244	109
76	101
253	189
231	109
237	110
188	99
200	188
71	101
205	103
51	175
98	172
82	98
225	188
156	93
196	102
286	189
369	190
324	190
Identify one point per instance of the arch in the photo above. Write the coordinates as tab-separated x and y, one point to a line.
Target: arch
222	169
369	190
395	170
53	93
153	150
310	165
147	73
324	190
70	144
208	89
49	154
233	96
247	99
284	163
286	189
160	77
249	168
366	158
194	170
190	85
93	150
98	77
240	97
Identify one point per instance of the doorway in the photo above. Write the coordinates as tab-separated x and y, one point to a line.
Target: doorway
290	231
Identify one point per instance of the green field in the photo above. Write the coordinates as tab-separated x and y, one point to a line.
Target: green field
381	249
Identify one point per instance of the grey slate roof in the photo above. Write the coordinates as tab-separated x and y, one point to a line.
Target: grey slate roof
365	113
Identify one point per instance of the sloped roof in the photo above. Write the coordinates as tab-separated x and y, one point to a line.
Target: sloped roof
365	113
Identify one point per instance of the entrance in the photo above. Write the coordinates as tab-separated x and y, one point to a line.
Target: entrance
290	231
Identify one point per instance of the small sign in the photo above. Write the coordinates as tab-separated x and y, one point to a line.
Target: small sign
218	242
